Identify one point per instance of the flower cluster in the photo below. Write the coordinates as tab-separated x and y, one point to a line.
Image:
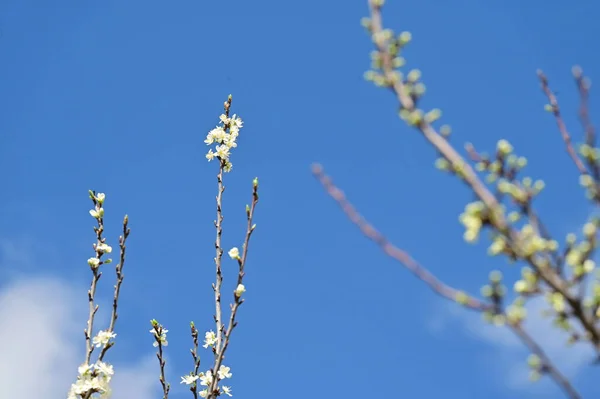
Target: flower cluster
206	378
94	378
224	136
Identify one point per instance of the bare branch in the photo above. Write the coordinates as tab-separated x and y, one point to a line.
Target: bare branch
562	127
391	250
119	271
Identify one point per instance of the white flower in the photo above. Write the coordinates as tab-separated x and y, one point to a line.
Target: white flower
224	119
234	253
210	338
189	379
224	372
226	390
240	289
105	368
230	141
93	262
203	393
163	337
222	151
102	338
237	121
94	213
210	155
87	383
228	166
103	248
100	197
216	135
84	368
206	379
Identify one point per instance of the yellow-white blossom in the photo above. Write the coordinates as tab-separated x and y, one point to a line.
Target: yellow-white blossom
224	372
189	379
210	338
93	262
234	253
239	290
103	248
162	338
225	137
206	378
102	338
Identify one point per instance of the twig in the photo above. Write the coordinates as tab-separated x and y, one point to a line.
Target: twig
547	365
390	249
238	300
159	334
562	127
194	352
120	277
96	274
583	85
435	284
219	250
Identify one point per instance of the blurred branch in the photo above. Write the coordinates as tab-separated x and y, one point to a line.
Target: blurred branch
562	127
433	282
383	41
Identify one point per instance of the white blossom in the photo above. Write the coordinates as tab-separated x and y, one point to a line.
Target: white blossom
225	138
163	337
236	121
84	368
222	151
210	338
105	368
234	253
226	390
102	338
189	379
240	289
210	155
206	379
103	248
224	372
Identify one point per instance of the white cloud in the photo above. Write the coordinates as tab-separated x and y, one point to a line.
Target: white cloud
509	350
41	344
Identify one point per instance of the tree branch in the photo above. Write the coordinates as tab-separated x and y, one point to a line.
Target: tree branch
433	282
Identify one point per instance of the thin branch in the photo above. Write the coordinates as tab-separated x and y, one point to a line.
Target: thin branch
96	274
583	85
238	300
547	365
562	127
390	249
160	334
434	283
219	250
196	357
119	271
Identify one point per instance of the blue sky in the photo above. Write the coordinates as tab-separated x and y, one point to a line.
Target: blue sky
118	97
